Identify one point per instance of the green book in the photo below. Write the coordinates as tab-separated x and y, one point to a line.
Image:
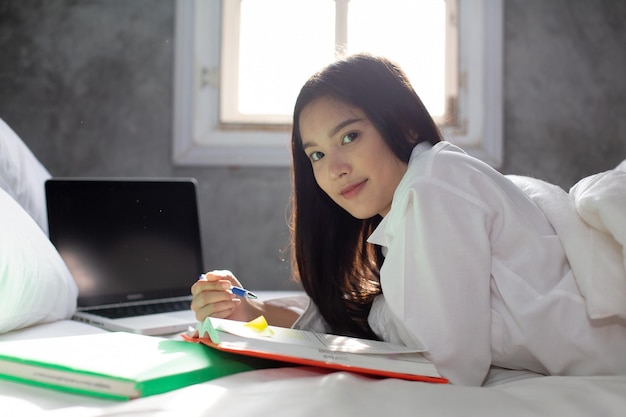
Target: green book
117	365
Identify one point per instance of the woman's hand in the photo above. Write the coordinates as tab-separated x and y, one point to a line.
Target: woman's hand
212	298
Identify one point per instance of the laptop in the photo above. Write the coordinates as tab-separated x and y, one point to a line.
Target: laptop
133	247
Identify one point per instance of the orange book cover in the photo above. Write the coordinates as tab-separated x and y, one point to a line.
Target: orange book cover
364	356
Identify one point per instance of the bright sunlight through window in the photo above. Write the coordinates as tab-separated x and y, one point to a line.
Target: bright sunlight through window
278	44
239	65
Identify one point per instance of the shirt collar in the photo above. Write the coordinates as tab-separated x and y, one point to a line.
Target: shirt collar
420	148
378	236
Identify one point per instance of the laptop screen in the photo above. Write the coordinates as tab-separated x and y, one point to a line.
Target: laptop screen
126	239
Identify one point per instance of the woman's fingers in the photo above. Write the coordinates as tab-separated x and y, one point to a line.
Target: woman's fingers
206	285
219	275
212	303
212	296
219	309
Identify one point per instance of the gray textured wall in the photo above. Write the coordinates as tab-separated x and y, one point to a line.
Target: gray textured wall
564	87
88	85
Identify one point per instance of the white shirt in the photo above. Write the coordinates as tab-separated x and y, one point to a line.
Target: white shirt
475	272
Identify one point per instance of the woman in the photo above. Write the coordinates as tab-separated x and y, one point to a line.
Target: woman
401	236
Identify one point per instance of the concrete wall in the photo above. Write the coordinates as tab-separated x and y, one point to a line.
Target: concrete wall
564	87
88	85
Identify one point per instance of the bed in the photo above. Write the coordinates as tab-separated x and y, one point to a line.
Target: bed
38	297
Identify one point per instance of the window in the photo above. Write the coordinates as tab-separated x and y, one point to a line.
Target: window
270	47
234	128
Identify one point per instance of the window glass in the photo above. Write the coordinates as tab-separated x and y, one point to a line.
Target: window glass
413	33
282	42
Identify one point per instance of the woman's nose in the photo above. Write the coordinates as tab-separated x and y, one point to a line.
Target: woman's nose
338	166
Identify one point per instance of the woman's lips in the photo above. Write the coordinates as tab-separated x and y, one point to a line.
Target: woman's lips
351	190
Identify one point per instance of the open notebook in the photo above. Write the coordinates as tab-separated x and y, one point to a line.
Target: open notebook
133	247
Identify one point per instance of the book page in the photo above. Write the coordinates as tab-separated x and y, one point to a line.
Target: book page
327	342
257	338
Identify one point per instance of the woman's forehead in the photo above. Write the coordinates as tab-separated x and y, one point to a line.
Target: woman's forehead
324	114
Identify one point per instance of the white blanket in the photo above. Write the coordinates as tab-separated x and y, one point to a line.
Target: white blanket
590	220
304	391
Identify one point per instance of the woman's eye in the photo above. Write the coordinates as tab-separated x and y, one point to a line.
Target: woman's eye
349	138
316	156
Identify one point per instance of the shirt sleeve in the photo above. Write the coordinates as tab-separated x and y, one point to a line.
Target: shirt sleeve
436	277
311	320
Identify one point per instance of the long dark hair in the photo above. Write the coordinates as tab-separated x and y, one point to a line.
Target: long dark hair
338	269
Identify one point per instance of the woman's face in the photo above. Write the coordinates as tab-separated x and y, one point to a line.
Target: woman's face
351	161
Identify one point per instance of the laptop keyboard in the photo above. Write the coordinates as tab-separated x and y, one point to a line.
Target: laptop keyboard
140	310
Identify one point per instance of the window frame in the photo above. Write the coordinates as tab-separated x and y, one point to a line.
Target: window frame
200	139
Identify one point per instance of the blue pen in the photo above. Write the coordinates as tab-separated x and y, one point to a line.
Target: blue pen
239	292
242	292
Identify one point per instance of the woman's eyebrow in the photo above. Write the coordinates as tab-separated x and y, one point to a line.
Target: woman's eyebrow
341	125
334	130
307	145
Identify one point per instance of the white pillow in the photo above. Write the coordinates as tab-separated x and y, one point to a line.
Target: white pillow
35	284
22	175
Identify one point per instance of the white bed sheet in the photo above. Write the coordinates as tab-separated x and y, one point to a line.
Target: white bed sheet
305	391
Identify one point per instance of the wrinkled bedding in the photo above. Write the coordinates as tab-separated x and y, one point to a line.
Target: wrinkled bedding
305	391
590	220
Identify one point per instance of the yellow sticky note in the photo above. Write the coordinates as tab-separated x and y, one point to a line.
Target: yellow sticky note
259	325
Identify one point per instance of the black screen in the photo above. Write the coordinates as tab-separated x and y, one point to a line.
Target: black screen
126	240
